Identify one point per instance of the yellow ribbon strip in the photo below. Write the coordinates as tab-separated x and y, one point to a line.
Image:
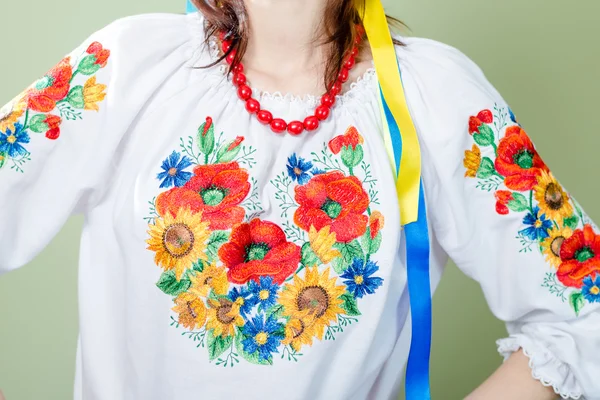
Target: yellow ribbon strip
386	65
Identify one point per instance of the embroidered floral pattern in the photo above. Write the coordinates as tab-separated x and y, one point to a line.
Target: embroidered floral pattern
248	288
55	93
553	222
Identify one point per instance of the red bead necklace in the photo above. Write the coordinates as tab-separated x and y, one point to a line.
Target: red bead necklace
278	125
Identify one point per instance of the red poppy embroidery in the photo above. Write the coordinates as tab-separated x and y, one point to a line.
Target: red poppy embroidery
502	199
50	89
101	53
484	117
376	221
256	249
518	161
216	190
580	255
53	123
335	200
351	138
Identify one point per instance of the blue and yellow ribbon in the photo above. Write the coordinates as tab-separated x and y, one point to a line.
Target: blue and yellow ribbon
402	145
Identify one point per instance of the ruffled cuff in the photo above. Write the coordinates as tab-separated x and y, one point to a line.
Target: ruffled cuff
545	367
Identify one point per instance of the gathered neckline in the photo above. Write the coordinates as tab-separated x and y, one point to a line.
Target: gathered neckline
354	89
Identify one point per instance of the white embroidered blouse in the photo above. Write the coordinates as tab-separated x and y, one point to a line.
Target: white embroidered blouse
209	241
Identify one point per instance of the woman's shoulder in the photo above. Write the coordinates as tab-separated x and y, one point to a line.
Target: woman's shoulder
144	37
439	74
439	63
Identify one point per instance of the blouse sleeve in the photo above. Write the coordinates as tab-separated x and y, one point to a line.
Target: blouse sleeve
506	221
60	138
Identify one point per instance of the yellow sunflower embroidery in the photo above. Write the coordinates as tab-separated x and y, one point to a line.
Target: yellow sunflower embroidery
322	242
223	317
472	161
191	310
212	277
552	199
318	294
10	113
553	242
299	332
178	241
93	93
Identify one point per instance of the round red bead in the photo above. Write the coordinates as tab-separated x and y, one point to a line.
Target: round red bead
322	112
344	74
295	127
311	123
238	69
350	63
264	116
278	125
354	52
239	79
327	100
244	92
336	88
226	45
230	57
252	105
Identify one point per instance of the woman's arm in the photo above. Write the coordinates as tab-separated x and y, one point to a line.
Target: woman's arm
513	380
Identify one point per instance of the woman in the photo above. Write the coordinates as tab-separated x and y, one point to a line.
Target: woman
256	231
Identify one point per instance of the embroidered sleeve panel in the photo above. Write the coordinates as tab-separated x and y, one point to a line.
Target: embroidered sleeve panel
63	95
504	162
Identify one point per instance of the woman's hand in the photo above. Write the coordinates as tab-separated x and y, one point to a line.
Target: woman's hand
513	380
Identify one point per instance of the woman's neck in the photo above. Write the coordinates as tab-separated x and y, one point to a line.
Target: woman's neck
285	34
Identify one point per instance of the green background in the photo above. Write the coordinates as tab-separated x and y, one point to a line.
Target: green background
540	54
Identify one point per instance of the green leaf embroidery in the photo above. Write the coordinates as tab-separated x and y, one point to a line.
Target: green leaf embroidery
349	305
217	238
276	311
253	358
571	222
577	301
370	245
37	124
485	137
225	154
519	202
352	157
349	251
169	284
206	141
486	168
75	97
309	258
3	157
217	345
88	65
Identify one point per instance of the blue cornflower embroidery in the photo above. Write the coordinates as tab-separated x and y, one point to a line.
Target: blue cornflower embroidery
591	289
173	173
264	293
262	336
359	280
538	225
298	169
242	297
10	141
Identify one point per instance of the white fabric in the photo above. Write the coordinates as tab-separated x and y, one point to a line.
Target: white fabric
106	164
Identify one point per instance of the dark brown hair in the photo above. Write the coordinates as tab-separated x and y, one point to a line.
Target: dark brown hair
341	24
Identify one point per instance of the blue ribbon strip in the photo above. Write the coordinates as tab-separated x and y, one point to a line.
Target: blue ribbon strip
419	287
189	7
